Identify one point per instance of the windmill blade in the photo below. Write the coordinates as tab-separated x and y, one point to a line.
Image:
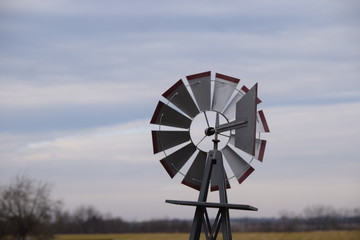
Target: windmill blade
232	139
163	140
195	174
165	115
246	111
219	179
175	161
200	86
180	97
229	111
260	145
238	165
261	124
223	89
215	181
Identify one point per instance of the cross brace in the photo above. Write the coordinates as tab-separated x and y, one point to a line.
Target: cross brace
201	219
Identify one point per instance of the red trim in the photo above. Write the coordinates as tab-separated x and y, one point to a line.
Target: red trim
263	120
155	142
228	78
157	112
246	174
245	90
216	188
190	184
172	89
167	168
198	75
262	150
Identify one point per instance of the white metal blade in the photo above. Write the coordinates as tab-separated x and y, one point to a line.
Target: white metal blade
165	115
260	145
215	181
175	161
223	89
238	165
218	174
232	139
261	124
163	140
229	111
195	174
180	97
200	86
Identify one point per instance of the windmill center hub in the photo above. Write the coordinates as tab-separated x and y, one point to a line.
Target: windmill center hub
209	131
202	130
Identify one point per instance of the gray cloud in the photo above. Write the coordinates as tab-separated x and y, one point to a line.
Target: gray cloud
79	82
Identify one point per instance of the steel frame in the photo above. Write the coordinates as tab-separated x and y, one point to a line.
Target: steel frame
201	220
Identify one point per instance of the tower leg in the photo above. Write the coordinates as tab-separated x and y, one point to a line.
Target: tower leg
200	210
225	216
214	162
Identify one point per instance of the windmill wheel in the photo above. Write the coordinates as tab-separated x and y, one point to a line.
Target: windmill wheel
188	119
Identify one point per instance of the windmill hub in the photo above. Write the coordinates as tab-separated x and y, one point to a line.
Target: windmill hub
209	131
202	131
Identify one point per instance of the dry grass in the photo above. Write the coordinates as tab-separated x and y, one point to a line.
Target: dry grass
132	236
326	235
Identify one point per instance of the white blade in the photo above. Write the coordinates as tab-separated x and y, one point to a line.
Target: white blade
175	161
195	174
260	149
223	89
215	181
238	165
261	124
229	111
163	140
180	97
165	115
200	86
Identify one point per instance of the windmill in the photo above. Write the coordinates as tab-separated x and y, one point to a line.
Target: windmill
202	122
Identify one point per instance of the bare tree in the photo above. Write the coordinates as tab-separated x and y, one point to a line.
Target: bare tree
27	208
321	217
289	221
88	219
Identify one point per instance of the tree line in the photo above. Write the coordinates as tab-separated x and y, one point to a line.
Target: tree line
27	209
86	219
314	218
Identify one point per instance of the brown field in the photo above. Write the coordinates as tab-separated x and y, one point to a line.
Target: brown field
326	235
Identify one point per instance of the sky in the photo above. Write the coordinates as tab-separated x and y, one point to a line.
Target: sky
80	80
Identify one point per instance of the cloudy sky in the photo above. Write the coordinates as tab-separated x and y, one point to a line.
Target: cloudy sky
79	81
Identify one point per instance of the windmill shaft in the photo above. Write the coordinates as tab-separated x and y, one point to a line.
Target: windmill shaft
230	126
